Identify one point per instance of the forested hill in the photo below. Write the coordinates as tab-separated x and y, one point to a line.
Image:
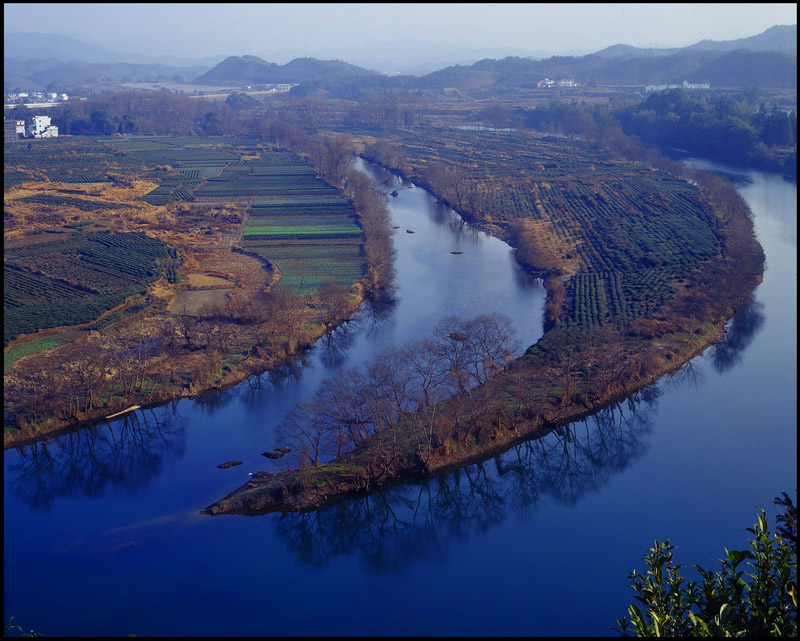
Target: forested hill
733	69
39	74
780	38
253	69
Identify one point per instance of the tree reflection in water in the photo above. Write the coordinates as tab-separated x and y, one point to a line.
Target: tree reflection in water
690	375
377	312
739	334
127	454
288	372
211	401
411	522
335	344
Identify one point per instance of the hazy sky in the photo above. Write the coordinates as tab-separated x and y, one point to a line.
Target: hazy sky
259	29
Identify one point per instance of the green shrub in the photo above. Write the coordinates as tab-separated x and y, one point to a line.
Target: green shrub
730	602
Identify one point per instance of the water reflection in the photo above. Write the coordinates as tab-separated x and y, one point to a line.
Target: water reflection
210	402
739	334
289	372
335	344
378	312
412	522
127	454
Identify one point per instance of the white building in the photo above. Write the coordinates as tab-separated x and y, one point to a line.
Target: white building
19	126
40	127
684	85
696	85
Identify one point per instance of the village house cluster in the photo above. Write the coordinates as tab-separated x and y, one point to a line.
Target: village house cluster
36	127
35	96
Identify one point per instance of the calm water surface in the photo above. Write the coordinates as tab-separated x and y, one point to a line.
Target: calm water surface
103	535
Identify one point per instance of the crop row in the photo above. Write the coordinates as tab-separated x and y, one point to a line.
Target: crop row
303	202
324	251
21	288
589	301
288	210
299	234
284	170
79	178
29	319
77	279
596	297
285	221
68	201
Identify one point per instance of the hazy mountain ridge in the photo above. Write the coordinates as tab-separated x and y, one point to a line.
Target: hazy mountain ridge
780	38
39	46
736	68
253	69
39	74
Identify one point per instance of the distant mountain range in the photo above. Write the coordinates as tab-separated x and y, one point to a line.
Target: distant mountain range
767	60
36	61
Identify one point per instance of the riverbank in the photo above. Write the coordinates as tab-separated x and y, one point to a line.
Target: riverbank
255	362
362	471
535	395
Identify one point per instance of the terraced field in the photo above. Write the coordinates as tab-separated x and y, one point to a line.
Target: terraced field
294	218
311	240
190	160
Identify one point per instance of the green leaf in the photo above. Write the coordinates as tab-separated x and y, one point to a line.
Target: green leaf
699	623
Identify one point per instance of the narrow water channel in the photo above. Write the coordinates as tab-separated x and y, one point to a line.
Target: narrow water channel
103	535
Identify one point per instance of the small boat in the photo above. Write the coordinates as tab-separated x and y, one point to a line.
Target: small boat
130	409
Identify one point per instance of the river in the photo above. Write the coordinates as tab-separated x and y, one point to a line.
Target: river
103	534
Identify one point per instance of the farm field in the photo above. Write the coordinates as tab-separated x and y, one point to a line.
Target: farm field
285	199
165	242
72	281
624	237
34	346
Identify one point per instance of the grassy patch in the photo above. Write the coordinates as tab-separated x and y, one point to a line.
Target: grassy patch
32	347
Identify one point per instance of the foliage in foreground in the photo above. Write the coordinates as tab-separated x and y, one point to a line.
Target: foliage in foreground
730	602
12	628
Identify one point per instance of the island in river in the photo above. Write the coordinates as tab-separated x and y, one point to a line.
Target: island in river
643	265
